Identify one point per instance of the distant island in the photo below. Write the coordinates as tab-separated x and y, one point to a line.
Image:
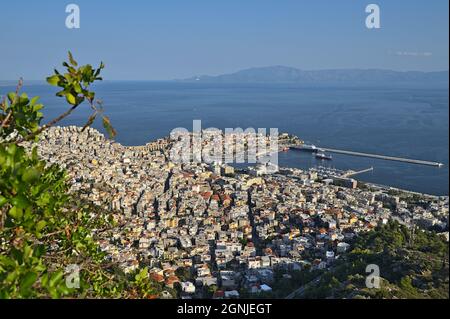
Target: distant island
283	74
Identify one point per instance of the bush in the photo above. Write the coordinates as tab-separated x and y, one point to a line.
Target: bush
44	230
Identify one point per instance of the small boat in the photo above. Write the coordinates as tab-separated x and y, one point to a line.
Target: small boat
324	156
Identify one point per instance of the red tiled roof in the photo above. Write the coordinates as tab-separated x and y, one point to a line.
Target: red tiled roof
157	277
206	195
172	279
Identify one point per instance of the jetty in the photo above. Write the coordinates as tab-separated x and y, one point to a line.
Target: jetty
384	157
314	148
351	173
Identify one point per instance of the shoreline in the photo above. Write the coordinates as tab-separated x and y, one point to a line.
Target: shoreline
163	143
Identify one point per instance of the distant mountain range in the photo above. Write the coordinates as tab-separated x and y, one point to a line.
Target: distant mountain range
283	74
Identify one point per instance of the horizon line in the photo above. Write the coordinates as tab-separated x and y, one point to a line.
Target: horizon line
250	68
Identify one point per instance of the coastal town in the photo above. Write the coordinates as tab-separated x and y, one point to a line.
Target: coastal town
215	230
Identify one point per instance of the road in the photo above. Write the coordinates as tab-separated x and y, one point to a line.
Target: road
302	289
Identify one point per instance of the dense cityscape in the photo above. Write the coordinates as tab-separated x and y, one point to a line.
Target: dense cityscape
217	231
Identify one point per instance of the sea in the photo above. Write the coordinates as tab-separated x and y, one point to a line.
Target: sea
395	121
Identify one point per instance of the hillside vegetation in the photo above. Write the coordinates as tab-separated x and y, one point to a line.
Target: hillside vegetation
408	268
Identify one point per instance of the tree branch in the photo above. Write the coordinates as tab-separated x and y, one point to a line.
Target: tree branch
5	121
52	122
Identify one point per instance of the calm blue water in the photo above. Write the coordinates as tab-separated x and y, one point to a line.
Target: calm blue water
410	123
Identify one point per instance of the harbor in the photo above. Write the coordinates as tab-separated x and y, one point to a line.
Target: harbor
313	148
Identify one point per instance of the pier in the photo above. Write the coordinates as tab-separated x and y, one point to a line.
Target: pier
349	174
383	157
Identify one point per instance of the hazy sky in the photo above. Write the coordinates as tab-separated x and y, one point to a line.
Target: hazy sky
167	39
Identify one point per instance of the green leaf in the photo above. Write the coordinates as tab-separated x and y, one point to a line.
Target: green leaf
34	154
37	107
55	278
108	127
41	225
20	201
12	97
27	282
6	261
12	149
77	88
39	250
31	175
72	60
3	201
16	213
142	275
27	252
61	93
34	100
71	99
53	80
44	280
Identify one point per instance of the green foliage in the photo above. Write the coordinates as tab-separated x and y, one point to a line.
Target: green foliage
19	114
283	286
75	85
408	269
184	273
43	228
76	81
142	286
